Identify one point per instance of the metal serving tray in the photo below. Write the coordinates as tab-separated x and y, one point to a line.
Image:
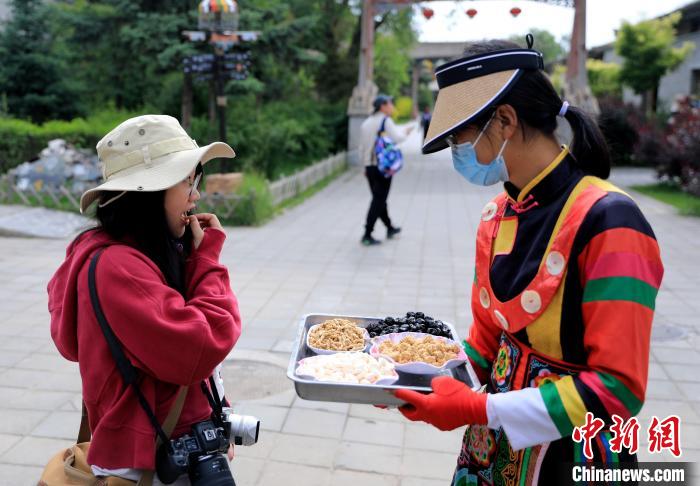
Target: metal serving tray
367	394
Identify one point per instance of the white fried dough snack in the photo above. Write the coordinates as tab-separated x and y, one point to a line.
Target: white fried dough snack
358	368
337	335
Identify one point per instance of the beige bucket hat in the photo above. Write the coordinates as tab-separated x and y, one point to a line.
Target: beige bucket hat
470	86
149	153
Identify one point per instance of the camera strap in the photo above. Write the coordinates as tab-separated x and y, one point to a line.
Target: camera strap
213	398
126	369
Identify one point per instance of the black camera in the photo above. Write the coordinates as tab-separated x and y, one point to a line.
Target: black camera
200	455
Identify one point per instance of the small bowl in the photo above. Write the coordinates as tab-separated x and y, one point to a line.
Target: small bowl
330	351
385	380
417	367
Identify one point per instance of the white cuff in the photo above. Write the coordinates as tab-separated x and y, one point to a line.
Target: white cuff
524	417
492	414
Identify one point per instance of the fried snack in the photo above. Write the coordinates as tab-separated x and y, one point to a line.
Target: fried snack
337	335
347	368
428	350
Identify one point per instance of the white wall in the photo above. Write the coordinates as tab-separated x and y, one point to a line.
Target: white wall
678	82
674	83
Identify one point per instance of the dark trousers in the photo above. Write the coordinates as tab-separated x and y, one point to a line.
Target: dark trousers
379	185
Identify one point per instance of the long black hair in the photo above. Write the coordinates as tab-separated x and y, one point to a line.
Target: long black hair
138	219
537	105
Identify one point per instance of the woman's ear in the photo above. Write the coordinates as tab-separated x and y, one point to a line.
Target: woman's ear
507	121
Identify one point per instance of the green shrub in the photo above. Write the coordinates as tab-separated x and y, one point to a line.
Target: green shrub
254	208
404	109
21	140
619	130
279	137
604	78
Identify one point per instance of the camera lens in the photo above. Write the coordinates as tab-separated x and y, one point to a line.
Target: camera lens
244	428
211	470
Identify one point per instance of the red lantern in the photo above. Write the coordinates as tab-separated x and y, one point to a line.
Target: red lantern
428	13
515	11
471	12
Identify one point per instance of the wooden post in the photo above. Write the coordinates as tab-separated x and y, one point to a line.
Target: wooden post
212	102
415	79
186	110
576	64
577	90
366	68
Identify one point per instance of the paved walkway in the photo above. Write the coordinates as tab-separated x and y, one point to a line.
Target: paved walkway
310	260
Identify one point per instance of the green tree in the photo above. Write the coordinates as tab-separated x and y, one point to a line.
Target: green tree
604	78
132	45
551	49
394	39
558	78
335	30
649	53
33	80
391	64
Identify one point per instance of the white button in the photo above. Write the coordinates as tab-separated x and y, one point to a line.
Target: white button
555	262
531	301
501	319
484	298
489	211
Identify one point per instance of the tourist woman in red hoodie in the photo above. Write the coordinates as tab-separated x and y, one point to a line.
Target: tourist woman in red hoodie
161	287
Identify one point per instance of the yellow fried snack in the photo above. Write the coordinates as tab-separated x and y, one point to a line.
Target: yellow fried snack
337	335
428	350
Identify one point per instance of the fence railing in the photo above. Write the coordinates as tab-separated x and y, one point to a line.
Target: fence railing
288	187
39	194
66	197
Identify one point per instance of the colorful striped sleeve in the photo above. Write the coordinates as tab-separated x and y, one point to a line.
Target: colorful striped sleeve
620	272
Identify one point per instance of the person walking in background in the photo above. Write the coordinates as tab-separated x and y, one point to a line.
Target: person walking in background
425	117
379	184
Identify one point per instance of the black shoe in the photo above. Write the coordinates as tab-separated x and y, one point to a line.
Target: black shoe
369	241
391	232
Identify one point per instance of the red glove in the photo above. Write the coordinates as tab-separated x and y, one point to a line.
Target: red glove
452	404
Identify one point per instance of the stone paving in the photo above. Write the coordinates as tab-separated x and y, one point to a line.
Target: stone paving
25	221
310	260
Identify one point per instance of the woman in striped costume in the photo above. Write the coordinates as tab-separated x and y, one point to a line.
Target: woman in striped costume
567	271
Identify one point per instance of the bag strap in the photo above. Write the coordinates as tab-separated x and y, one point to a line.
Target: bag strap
168	427
126	369
84	433
381	127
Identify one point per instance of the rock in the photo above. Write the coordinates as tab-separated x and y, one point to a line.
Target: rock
60	164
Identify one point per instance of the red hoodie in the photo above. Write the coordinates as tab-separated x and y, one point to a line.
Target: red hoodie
172	340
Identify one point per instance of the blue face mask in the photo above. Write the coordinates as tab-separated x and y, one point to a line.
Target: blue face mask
466	163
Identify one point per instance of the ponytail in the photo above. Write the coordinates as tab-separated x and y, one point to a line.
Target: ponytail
588	147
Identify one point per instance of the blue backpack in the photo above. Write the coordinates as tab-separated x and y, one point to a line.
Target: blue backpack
389	157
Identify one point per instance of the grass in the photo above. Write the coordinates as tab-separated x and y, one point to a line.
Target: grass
669	193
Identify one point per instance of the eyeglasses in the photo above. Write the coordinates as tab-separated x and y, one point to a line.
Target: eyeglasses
195	184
